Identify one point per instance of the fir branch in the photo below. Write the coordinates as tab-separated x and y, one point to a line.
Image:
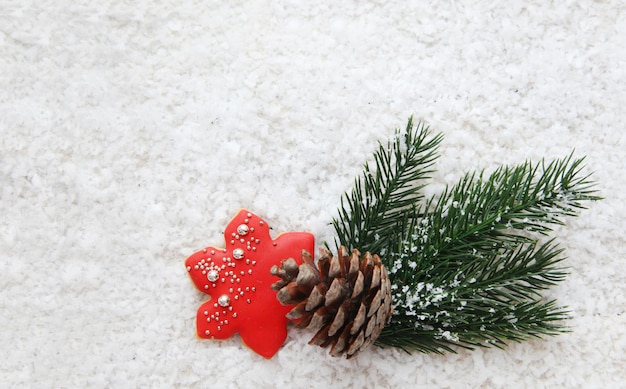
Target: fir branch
383	195
467	267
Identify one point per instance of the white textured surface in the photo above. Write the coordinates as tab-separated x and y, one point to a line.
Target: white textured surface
132	132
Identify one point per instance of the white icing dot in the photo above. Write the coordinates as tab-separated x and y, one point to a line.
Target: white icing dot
188	268
224	300
243	230
206	313
213	275
235	314
238	253
207	332
249	214
249	271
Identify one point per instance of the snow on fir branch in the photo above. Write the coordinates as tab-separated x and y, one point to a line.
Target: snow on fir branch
467	266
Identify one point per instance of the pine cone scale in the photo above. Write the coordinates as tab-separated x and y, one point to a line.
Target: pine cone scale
297	311
359	319
308	277
375	278
316	298
357	344
335	268
336	292
338	322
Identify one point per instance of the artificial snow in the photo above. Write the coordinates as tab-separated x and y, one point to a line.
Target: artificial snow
133	131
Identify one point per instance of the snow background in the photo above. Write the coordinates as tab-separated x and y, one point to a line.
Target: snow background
132	132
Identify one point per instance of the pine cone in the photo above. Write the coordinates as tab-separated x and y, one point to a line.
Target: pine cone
346	298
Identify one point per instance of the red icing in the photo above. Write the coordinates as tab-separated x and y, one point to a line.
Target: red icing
253	310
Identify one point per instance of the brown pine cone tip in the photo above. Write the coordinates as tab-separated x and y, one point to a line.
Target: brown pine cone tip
346	298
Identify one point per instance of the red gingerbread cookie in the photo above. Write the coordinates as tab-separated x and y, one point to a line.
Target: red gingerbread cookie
238	280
